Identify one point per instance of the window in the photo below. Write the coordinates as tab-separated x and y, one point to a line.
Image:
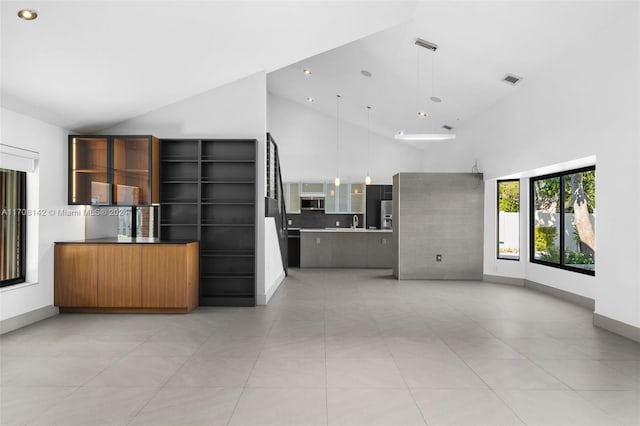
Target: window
563	213
509	219
13	204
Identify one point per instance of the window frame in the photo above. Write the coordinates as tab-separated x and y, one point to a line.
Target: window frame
20	213
498	219
561	201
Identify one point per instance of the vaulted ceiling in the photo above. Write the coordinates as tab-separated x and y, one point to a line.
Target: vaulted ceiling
478	43
90	64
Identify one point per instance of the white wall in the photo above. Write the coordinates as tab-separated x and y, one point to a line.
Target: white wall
237	110
307	146
49	184
274	272
586	103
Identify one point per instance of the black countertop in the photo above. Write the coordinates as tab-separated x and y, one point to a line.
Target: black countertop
124	241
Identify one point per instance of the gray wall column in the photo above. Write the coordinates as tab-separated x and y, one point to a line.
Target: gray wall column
438	215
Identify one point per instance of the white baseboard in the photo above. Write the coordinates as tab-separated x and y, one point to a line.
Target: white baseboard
263	299
576	299
27	318
498	279
617	327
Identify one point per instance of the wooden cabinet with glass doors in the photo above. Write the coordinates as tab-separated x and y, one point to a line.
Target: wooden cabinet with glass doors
113	170
89	174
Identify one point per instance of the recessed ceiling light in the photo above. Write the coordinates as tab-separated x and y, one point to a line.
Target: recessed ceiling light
366	73
310	99
307	71
422	114
435	99
27	14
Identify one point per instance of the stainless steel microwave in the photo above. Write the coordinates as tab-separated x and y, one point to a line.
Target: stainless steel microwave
312	203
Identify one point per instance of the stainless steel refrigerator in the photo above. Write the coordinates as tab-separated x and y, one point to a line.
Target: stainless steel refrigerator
386	214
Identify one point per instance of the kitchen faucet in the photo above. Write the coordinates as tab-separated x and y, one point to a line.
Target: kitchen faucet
354	221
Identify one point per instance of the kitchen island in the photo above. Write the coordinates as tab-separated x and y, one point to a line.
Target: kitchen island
127	275
346	248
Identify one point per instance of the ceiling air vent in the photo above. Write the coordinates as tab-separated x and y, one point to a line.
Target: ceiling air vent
447	127
511	79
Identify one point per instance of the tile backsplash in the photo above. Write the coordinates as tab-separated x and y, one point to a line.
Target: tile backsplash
318	219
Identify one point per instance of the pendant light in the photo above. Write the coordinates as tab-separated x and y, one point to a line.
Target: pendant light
367	179
421	113
337	180
424	136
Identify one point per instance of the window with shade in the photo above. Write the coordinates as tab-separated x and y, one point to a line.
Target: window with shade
13	204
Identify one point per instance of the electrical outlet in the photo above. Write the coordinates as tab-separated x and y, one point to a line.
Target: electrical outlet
438	258
289	222
384	241
337	223
317	240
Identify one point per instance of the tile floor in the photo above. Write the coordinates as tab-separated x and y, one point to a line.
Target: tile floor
334	347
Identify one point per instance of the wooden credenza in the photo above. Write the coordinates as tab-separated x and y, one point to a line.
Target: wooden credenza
104	276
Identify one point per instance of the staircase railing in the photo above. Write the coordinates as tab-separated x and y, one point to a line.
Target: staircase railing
274	203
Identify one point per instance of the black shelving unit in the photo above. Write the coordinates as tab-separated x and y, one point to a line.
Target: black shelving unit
179	189
208	193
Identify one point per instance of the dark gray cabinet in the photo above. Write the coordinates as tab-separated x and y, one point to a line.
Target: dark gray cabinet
208	193
293	251
345	249
375	194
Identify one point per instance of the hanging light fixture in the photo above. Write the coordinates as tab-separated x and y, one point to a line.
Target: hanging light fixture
421	113
424	136
337	180
367	180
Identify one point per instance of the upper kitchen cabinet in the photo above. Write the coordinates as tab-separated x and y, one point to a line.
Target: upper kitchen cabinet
336	199
357	197
387	192
292	197
113	170
347	198
312	189
331	199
